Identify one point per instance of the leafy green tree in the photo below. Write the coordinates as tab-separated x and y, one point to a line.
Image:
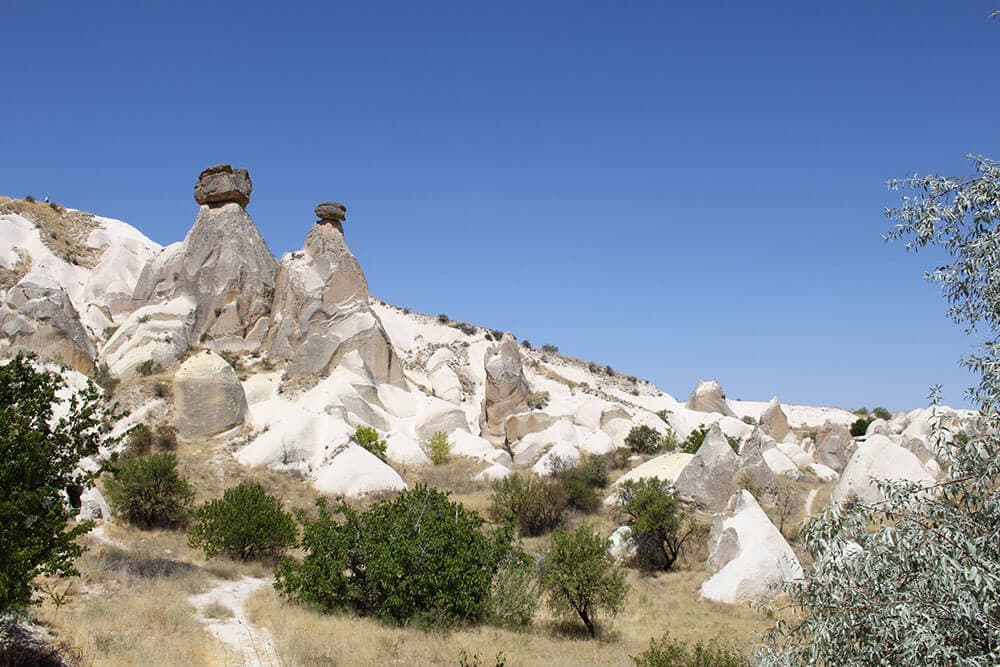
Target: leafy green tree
915	578
368	438
40	451
661	527
580	577
643	439
148	492
246	524
417	557
440	448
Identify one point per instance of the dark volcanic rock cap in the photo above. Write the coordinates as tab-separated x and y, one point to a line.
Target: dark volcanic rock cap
222	184
331	211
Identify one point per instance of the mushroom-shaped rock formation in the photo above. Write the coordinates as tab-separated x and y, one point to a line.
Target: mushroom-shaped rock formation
506	388
222	184
773	420
223	265
708	479
208	397
321	310
751	559
708	396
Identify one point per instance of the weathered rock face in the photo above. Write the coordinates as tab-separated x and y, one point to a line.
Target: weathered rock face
331	211
708	396
834	446
321	311
36	315
752	463
222	184
878	458
750	558
223	266
773	420
506	388
709	479
444	380
208	397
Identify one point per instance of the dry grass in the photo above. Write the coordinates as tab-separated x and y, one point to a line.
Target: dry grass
131	610
10	277
656	604
63	231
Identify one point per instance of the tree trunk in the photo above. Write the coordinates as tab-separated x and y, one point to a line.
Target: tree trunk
585	617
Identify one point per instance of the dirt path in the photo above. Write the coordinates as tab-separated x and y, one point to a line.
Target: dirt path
245	644
810	497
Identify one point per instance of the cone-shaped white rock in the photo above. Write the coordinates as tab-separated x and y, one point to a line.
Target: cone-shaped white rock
879	458
773	420
750	557
709	479
353	471
708	396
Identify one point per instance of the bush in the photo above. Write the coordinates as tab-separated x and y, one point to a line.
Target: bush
551	349
368	438
142	440
580	576
440	448
668	441
43	437
580	482
443	319
859	427
670	652
418	557
245	524
694	440
643	440
514	594
526	344
535	505
148	367
881	413
734	443
661	527
147	491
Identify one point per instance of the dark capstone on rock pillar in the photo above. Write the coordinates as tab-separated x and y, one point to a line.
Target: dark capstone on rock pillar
331	211
222	184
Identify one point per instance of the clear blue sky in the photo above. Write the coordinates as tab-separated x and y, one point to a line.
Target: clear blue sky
681	190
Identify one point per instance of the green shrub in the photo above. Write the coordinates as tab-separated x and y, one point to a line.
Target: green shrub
580	482
246	524
440	448
734	443
694	440
661	527
580	577
526	344
669	441
881	413
859	427
551	349
670	652
417	557
643	440
535	505
147	491
514	594
143	440
368	438
148	367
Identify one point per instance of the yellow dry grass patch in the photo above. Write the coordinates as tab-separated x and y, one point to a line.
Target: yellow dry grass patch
656	604
64	231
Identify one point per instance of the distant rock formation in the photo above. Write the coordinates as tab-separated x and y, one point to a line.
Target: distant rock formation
321	310
710	478
208	397
834	446
878	458
223	265
708	396
506	388
773	420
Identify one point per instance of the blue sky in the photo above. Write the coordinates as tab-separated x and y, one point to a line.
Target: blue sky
681	190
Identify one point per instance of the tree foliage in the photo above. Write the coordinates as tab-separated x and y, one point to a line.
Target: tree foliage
148	492
643	439
534	505
580	577
417	557
661	527
44	433
246	524
915	577
368	438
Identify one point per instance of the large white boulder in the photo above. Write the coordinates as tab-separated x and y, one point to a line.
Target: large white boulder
208	397
878	458
834	446
708	396
158	332
353	471
749	556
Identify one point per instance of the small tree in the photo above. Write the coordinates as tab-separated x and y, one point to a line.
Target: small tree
535	505
643	440
246	524
580	577
40	452
661	527
440	448
367	437
148	492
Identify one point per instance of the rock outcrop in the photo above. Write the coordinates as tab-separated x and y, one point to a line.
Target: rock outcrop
506	388
708	480
834	446
321	310
223	265
36	315
708	396
878	458
773	420
208	397
749	556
